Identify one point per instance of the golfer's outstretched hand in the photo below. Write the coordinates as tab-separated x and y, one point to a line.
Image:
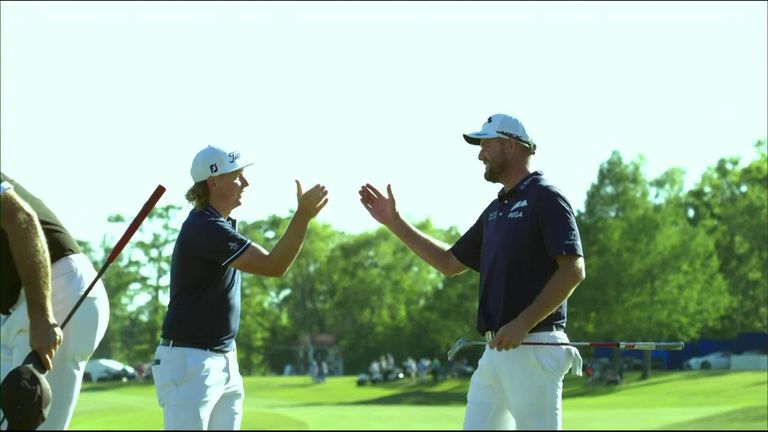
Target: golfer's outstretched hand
381	207
311	201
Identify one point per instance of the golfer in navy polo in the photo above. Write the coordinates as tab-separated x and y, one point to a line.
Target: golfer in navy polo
195	370
527	249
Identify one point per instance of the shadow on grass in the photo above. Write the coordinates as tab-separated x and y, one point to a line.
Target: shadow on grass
416	397
589	390
578	387
448	392
114	385
419	397
754	417
450	384
454	391
287	385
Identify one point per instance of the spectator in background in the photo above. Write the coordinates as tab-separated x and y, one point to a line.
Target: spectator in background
313	371
323	371
410	367
435	369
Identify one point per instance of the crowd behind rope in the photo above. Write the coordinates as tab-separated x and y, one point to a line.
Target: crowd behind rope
385	369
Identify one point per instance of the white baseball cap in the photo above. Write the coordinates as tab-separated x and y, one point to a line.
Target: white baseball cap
214	161
501	125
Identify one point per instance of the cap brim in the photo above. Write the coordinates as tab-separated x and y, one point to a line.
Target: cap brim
227	172
239	167
475	137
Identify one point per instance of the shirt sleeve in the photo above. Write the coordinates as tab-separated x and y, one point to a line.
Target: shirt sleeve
558	225
219	241
468	247
4	186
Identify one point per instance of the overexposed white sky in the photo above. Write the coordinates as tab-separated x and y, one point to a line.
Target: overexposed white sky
103	101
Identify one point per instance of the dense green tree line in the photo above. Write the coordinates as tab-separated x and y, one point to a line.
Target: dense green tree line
663	263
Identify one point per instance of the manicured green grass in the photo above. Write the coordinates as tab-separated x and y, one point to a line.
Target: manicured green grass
670	400
677	400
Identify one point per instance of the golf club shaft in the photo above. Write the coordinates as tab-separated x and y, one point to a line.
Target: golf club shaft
132	228
648	346
621	345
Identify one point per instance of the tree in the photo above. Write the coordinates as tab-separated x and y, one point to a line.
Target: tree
449	310
121	277
277	311
730	204
137	285
153	247
384	299
650	274
374	283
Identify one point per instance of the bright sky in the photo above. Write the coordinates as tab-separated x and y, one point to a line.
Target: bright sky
101	102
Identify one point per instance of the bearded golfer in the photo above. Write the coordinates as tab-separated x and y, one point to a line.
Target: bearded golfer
195	369
527	249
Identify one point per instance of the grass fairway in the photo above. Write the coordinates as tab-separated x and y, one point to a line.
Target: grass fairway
671	400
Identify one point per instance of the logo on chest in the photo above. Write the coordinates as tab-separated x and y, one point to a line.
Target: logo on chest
516	211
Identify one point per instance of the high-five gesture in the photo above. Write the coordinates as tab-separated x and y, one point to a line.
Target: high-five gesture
311	201
382	208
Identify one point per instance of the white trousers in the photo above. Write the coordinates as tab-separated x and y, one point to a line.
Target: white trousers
198	389
521	388
70	276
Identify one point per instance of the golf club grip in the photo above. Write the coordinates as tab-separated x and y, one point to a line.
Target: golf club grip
148	206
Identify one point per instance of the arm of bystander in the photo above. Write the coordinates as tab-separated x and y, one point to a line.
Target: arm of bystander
30	254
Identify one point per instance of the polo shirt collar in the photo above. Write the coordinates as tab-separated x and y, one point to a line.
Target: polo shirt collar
213	212
519	187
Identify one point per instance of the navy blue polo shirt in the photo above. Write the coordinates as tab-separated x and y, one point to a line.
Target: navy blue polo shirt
204	309
514	244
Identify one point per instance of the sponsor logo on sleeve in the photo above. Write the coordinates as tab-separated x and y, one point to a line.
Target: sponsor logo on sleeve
573	238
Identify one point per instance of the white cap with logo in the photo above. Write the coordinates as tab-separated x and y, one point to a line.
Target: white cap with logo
501	125
214	161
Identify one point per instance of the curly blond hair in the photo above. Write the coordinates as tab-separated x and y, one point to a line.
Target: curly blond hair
198	195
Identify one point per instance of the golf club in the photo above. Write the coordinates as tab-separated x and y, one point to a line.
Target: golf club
33	358
649	346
